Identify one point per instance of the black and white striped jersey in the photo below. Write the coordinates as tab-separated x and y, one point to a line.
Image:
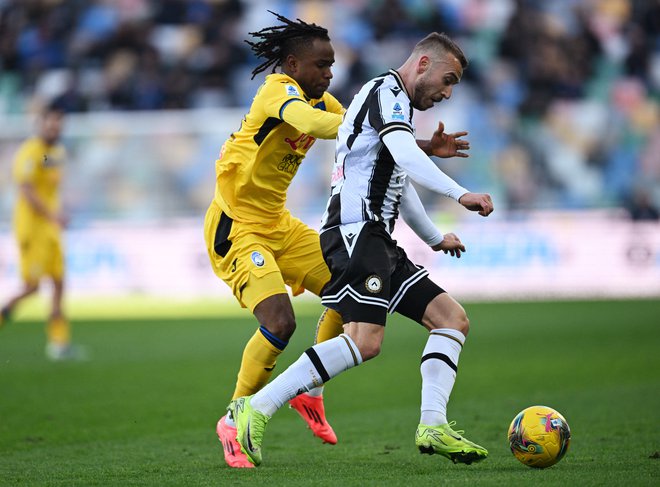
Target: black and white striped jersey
366	182
376	152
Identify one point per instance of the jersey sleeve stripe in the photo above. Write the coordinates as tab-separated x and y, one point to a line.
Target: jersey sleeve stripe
286	103
391	127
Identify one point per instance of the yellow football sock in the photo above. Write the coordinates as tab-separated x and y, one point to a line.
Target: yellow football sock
329	326
259	359
58	331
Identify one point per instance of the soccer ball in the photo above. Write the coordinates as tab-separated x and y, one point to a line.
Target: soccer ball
539	436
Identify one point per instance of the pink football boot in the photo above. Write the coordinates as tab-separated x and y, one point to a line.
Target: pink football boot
233	455
312	411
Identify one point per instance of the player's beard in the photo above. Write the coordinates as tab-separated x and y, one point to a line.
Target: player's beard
422	100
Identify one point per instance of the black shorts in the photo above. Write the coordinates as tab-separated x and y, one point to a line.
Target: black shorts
371	275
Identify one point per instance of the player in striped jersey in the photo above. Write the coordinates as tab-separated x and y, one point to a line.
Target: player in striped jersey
247	224
371	276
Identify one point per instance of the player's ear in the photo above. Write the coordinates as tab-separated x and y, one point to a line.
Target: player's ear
423	64
290	64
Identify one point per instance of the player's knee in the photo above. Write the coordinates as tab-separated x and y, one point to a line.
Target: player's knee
282	326
367	338
457	320
369	350
276	315
460	322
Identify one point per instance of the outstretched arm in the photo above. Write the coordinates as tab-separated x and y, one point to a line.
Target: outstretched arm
421	169
309	120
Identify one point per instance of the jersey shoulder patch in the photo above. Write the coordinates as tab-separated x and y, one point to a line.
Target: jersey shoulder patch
292	90
397	111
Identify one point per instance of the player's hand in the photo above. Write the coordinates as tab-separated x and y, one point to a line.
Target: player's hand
451	245
448	145
479	202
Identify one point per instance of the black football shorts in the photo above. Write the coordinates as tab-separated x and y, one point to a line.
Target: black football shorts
372	275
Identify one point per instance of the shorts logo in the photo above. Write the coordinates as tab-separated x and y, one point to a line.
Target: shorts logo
397	111
257	259
373	284
292	90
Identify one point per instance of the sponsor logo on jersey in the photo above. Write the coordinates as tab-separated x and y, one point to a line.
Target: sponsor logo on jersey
304	142
290	163
258	259
373	284
397	111
337	174
292	90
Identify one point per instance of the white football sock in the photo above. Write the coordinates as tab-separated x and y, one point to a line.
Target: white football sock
314	367
438	368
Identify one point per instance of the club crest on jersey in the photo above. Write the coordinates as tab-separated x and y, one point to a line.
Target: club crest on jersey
373	284
292	90
397	111
258	259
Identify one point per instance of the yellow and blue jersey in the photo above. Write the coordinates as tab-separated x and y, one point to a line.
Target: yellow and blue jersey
258	162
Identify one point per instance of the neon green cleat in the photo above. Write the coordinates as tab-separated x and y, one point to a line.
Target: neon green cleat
448	443
250	425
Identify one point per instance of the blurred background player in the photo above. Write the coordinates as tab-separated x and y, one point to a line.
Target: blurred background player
376	159
255	245
38	225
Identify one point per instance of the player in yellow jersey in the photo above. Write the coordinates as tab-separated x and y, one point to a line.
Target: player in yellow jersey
38	223
255	245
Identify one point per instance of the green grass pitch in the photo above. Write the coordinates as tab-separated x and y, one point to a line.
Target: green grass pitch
142	411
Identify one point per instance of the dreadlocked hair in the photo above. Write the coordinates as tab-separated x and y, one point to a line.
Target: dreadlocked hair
277	42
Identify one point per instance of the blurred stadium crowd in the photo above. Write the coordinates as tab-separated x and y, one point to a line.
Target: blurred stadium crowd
561	97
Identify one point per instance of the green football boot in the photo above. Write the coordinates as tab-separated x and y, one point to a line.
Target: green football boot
250	425
448	443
